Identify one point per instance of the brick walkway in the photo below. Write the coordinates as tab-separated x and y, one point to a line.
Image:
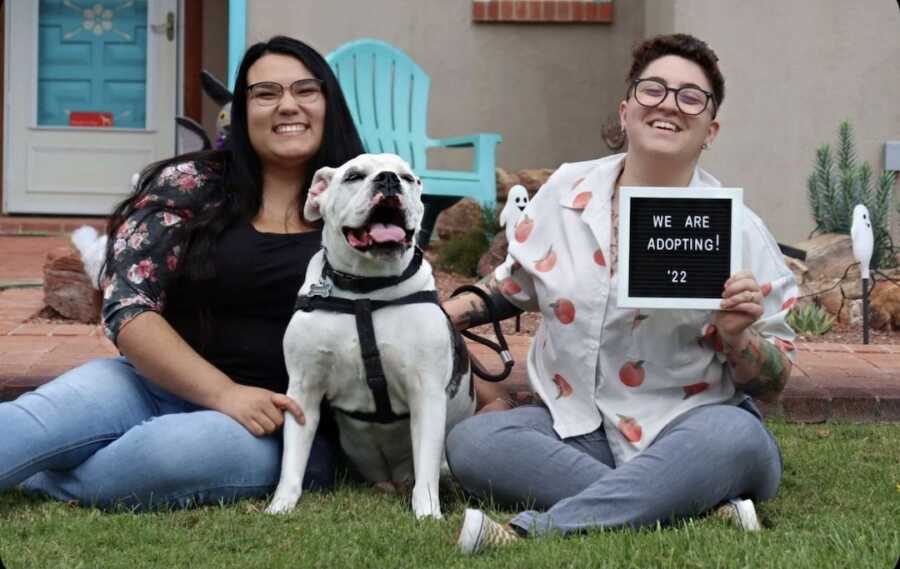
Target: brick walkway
844	382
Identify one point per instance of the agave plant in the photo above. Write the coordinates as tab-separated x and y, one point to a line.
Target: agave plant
810	320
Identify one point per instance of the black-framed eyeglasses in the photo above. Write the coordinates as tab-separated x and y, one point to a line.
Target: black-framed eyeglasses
268	93
690	100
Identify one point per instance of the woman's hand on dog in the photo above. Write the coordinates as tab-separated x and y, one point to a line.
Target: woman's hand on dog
259	410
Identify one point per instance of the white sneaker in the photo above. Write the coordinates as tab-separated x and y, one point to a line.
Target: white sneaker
479	532
741	513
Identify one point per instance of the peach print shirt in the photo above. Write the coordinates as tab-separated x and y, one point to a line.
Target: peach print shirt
592	363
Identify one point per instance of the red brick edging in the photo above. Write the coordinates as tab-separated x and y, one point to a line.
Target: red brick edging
543	11
829	383
15	225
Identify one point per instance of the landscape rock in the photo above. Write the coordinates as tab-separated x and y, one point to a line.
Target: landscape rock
830	276
829	255
797	267
832	300
834	295
495	255
534	178
67	289
505	180
458	219
884	305
854	308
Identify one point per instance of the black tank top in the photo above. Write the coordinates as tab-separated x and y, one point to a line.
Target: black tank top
237	319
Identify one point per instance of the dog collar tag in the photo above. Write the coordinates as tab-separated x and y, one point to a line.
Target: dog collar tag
321	288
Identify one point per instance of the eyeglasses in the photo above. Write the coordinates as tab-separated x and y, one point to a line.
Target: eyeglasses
268	93
692	101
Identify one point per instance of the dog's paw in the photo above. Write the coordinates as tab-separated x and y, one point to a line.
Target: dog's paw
429	513
281	505
426	504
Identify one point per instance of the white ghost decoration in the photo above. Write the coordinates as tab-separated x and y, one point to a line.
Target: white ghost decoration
516	202
863	240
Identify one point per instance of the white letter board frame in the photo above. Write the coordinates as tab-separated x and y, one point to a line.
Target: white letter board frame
735	195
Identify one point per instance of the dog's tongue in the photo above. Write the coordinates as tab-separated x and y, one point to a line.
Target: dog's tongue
383	233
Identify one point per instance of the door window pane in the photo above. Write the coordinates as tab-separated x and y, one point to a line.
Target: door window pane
92	63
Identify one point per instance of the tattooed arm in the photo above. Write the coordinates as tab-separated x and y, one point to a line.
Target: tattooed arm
759	368
468	309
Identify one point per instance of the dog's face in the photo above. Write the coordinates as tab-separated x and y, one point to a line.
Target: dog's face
371	206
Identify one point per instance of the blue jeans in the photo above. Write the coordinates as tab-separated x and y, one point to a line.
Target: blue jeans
704	457
103	435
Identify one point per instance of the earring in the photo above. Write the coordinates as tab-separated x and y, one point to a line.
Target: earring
705	146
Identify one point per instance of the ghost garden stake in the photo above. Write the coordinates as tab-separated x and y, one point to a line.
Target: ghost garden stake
863	244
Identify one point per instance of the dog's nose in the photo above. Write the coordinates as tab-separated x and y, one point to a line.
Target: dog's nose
387	183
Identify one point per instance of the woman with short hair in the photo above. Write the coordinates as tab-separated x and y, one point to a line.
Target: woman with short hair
646	415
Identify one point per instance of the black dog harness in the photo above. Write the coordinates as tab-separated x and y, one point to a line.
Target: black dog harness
319	298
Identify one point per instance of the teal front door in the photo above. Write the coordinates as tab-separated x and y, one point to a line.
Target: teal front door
92	62
92	100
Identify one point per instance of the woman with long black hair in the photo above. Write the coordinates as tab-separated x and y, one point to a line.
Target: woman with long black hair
203	264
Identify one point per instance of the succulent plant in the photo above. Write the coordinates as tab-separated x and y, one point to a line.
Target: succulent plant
839	182
810	320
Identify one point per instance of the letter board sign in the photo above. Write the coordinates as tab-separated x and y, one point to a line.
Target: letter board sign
677	246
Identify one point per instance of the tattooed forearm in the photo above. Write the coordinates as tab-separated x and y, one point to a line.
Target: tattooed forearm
760	369
468	309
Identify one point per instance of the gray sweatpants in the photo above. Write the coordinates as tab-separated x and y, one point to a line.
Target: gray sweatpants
705	457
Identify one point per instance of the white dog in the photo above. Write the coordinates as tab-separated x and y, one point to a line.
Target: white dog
394	408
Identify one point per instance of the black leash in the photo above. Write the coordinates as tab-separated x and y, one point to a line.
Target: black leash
500	346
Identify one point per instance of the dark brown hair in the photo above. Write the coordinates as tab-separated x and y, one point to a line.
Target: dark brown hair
648	51
682	45
241	188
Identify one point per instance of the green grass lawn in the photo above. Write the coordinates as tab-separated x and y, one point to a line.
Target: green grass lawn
839	507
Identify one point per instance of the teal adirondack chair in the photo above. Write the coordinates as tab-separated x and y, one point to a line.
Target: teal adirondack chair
387	93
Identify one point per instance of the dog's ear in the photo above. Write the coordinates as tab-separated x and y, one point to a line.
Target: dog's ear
316	193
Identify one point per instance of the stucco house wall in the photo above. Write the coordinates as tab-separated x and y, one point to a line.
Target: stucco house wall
545	87
794	70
